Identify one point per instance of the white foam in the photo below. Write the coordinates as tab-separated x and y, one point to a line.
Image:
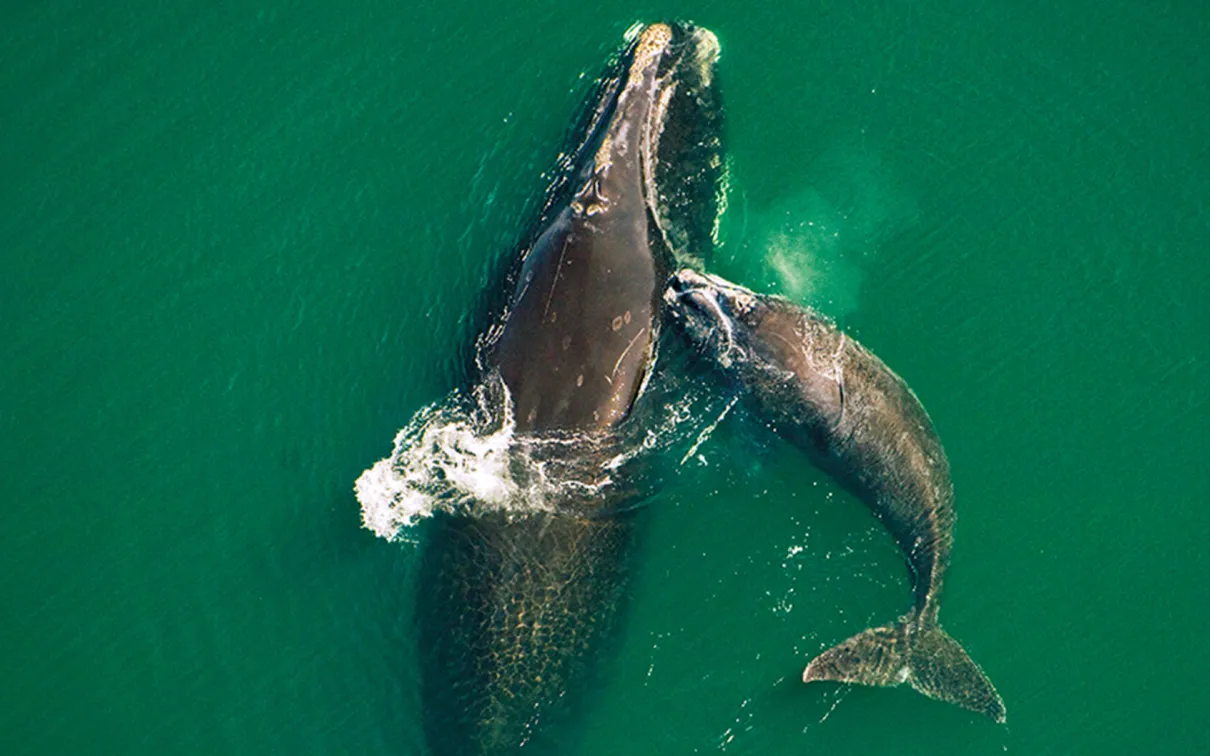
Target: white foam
462	455
448	457
709	429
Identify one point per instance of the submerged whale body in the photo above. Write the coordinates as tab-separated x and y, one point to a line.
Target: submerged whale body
514	608
860	422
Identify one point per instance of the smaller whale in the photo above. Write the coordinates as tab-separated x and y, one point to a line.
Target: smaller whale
862	424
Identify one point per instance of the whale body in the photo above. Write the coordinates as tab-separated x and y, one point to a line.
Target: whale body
515	609
859	421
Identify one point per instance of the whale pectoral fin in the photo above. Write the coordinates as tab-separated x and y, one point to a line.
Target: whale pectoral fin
942	669
878	656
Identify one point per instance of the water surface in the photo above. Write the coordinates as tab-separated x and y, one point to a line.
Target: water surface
241	244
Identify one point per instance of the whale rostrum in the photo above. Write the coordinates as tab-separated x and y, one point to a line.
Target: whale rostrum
861	423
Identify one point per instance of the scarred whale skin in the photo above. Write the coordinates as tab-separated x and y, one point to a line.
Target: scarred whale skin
514	611
583	319
861	422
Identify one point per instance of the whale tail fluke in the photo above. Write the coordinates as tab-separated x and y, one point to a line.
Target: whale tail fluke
923	656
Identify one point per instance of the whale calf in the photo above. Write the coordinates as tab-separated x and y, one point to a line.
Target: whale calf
515	607
860	422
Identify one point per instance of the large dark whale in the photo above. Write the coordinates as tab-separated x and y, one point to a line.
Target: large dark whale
514	608
860	422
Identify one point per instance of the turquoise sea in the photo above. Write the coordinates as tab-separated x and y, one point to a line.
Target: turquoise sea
240	244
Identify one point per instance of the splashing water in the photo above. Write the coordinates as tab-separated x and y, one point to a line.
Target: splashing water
448	456
462	455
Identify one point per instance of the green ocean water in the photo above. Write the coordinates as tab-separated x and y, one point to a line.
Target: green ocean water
241	243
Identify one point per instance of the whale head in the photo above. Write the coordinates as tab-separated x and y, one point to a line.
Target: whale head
637	197
655	123
717	316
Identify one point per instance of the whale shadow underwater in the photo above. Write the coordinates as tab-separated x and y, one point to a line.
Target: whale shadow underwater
518	607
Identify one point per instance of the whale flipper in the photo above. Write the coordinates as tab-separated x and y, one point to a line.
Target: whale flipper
926	657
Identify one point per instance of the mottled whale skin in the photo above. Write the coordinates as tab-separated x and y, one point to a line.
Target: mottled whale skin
514	611
860	422
584	317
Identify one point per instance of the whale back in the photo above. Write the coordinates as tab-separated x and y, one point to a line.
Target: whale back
517	609
580	328
835	399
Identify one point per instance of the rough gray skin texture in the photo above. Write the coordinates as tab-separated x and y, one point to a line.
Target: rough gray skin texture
514	610
514	620
861	423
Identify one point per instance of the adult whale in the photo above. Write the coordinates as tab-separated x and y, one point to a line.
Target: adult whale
514	608
862	423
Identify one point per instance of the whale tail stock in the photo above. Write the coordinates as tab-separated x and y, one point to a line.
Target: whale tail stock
923	655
